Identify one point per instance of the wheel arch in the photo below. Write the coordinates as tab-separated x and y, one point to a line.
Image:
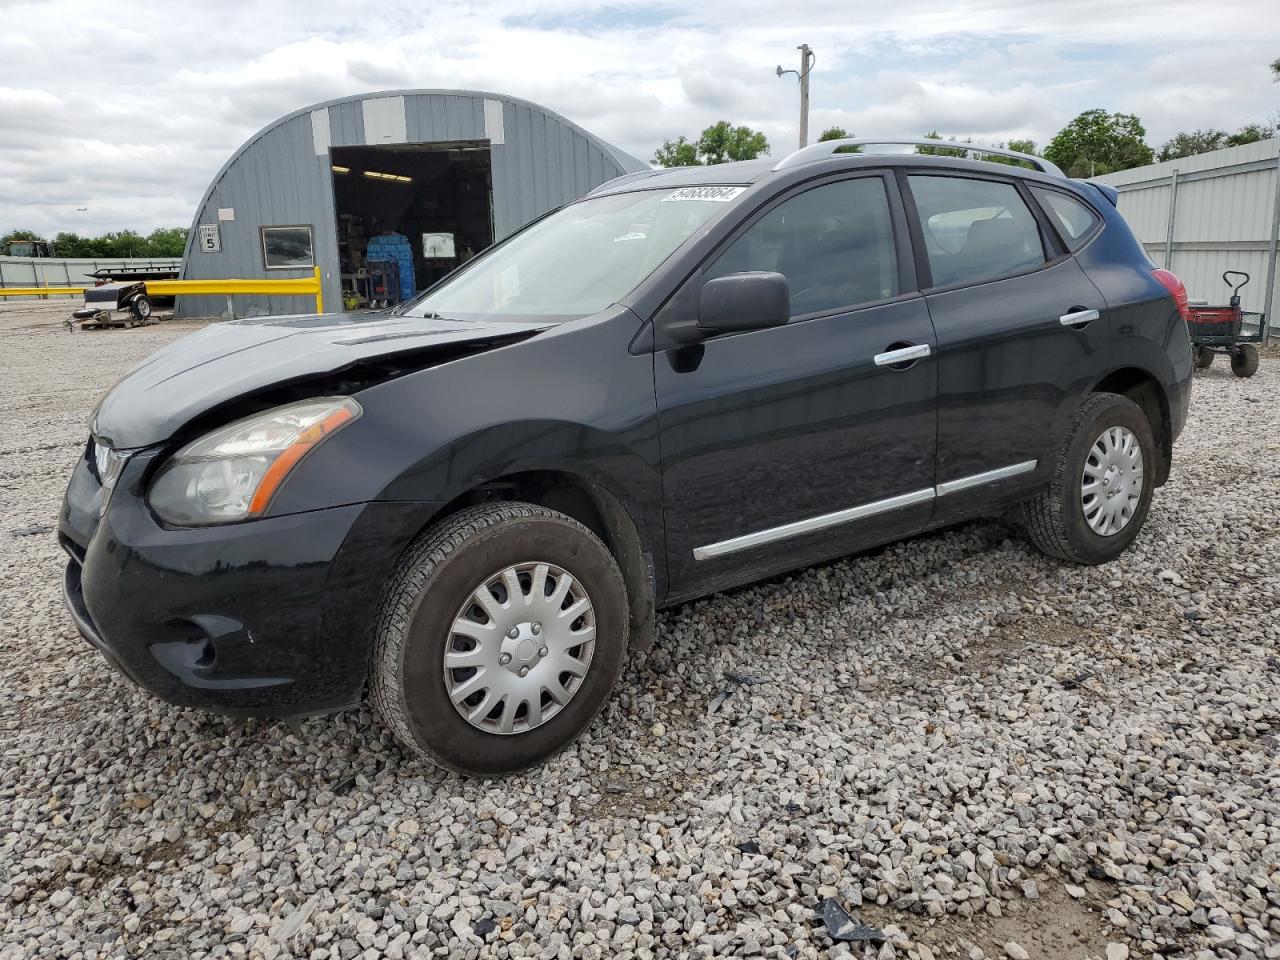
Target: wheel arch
1144	389
597	508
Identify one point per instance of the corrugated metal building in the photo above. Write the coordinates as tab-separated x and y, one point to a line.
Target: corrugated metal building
1201	215
434	175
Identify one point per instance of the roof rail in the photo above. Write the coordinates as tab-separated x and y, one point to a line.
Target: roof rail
827	148
623	178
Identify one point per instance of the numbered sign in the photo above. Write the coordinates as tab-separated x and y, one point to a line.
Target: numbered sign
210	239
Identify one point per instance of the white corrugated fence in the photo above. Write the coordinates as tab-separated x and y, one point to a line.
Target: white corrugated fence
1201	215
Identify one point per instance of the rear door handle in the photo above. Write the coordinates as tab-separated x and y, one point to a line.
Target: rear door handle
902	355
1078	318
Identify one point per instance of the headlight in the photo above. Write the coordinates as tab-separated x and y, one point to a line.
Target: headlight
232	473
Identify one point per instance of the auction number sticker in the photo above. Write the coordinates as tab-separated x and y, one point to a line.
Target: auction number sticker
714	194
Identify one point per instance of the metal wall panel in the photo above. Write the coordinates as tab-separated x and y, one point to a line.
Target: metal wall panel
282	177
384	120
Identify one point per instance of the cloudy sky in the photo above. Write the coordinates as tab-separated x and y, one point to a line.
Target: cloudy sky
128	109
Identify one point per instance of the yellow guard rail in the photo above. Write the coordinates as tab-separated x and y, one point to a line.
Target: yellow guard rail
296	286
300	286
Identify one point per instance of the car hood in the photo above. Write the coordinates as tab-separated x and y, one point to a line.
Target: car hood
226	361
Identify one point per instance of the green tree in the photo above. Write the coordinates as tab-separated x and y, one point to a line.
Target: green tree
20	235
838	133
1250	133
161	242
72	245
719	143
722	142
167	242
940	151
1021	146
676	153
1098	142
1189	144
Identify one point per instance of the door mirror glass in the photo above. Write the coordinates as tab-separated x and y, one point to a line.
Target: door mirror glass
744	301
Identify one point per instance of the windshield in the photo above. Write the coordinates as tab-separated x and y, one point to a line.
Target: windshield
578	260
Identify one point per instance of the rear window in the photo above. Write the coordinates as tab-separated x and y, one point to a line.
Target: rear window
1075	220
975	230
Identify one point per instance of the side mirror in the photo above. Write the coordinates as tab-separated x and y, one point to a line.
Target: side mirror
744	301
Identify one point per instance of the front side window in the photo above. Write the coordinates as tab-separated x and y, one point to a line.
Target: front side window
287	248
580	259
833	243
1074	219
974	230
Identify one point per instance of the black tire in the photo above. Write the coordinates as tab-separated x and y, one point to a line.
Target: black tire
438	572
1204	358
1054	519
140	307
1244	360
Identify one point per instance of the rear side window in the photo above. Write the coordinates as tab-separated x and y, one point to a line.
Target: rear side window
974	230
833	243
1075	220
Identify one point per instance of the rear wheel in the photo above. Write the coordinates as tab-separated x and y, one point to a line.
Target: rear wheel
1204	358
1100	493
499	639
1244	360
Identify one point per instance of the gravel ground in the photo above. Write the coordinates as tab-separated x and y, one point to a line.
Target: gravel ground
974	750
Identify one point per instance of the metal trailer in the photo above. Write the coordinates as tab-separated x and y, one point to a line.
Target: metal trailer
1228	330
113	305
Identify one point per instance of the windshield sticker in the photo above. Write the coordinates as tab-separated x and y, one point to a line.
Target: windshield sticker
634	235
714	194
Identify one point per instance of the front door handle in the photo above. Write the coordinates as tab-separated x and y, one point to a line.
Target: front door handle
902	355
1078	317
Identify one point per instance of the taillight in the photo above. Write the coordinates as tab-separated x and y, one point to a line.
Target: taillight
1175	287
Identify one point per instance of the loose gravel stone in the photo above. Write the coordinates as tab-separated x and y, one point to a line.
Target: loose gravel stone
929	734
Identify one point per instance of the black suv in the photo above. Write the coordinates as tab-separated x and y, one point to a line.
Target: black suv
690	379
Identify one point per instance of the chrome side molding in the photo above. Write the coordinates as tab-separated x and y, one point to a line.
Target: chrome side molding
761	537
990	476
826	520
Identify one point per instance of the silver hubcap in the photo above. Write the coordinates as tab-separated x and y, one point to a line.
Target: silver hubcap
1112	482
519	648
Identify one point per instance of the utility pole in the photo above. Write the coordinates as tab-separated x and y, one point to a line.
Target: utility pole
807	59
806	64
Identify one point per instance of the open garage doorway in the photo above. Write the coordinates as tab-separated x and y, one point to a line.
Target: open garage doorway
408	214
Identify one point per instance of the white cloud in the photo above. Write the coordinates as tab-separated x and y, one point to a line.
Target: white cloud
131	115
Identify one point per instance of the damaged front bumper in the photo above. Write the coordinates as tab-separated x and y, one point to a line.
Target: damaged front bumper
268	617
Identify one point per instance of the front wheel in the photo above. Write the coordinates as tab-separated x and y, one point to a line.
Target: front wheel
1244	360
1100	493
1204	358
499	638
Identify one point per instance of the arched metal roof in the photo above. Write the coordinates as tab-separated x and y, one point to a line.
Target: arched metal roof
280	175
629	163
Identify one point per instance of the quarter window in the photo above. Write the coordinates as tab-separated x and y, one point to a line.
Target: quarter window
975	230
833	243
1074	219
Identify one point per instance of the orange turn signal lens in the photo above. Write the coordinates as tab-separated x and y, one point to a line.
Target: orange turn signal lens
292	455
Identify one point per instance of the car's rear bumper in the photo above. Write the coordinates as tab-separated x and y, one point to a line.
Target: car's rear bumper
272	617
